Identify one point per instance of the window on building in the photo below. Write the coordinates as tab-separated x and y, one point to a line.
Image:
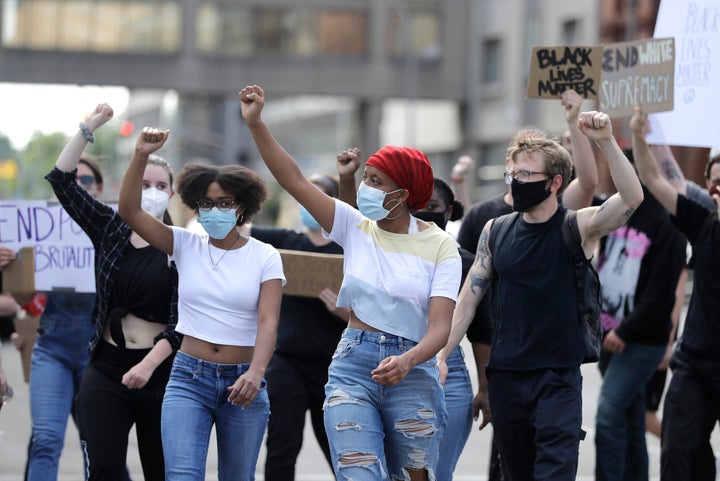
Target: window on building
491	57
228	29
415	31
92	26
569	32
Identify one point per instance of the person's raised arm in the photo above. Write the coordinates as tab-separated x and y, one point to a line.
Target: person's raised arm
596	222
669	167
646	166
464	165
347	163
282	166
148	227
580	192
70	156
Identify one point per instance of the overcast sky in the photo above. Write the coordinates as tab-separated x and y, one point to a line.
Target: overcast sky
29	108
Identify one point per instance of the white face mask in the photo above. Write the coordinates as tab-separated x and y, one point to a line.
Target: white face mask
154	202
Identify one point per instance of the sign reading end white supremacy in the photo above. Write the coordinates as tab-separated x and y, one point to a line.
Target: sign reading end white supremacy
638	73
64	256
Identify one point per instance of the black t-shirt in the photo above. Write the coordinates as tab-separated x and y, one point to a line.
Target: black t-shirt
483	324
307	330
650	251
701	334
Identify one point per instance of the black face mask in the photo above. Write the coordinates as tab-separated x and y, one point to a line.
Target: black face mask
437	217
528	195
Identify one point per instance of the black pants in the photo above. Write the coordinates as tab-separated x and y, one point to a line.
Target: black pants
106	411
537	422
691	409
294	386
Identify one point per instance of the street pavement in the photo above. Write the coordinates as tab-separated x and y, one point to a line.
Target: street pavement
311	466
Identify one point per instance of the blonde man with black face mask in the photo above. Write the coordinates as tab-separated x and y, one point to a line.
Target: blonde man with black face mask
534	385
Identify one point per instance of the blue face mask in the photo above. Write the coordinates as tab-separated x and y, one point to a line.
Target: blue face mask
370	202
217	223
308	220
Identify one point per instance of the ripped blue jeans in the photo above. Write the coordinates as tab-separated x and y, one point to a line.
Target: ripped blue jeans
378	432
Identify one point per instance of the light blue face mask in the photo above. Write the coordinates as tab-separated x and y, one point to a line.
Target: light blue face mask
217	223
370	202
308	220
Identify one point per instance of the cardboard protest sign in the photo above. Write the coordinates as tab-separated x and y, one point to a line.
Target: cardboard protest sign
695	25
554	70
308	273
641	73
19	275
64	256
27	328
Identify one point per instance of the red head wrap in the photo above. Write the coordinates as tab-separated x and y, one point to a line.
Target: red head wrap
410	169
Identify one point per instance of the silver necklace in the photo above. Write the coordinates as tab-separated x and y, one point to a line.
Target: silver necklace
215	264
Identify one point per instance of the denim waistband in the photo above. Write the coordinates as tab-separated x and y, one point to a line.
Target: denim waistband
361	335
202	366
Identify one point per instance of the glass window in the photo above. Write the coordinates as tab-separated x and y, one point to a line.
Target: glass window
227	29
92	25
569	32
416	31
491	61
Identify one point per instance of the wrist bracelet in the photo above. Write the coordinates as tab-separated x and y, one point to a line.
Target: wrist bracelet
89	136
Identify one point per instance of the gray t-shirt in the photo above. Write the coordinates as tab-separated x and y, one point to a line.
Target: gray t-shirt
699	194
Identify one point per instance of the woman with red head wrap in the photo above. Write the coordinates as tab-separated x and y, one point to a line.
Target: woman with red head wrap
401	278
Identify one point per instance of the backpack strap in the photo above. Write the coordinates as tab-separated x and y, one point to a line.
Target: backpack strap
499	228
571	236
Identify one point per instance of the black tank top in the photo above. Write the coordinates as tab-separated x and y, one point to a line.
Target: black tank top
537	325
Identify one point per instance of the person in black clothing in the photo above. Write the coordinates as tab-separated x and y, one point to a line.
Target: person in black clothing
639	265
578	194
308	333
135	315
534	384
692	401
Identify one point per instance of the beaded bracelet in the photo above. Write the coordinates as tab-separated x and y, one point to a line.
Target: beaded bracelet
89	136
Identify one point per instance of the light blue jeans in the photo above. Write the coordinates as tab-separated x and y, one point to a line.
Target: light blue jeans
459	402
196	397
56	370
376	432
620	447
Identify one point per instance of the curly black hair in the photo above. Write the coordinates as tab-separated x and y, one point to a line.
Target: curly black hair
244	185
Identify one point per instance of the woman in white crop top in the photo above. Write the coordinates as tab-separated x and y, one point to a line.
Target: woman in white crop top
229	295
384	407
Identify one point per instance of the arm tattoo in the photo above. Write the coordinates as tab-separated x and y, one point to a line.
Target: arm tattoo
670	170
479	281
628	213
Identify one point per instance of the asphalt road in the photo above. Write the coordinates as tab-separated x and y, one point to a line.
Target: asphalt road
472	466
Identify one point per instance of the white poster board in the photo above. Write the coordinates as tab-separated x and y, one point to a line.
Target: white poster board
695	24
64	255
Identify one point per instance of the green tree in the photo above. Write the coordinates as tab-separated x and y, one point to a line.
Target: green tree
8	159
37	159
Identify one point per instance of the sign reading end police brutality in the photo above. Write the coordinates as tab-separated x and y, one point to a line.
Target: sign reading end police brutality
638	73
64	255
554	70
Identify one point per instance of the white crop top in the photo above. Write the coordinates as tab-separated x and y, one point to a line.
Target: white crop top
389	278
220	305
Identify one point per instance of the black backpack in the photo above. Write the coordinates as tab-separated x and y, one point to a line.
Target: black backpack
587	283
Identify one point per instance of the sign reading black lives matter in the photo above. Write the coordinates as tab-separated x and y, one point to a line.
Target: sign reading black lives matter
638	73
64	256
554	70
